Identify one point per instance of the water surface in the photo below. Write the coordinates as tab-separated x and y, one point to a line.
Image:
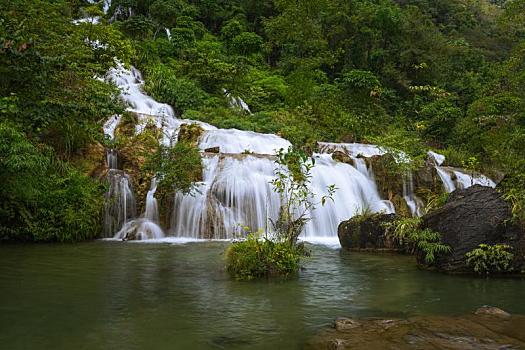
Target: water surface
114	295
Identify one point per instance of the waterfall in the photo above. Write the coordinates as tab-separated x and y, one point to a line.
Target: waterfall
112	159
147	226
236	102
356	194
414	203
168	33
236	191
446	178
239	141
152	208
119	202
454	178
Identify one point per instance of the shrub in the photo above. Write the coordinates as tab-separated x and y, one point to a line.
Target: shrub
260	257
408	233
490	258
41	197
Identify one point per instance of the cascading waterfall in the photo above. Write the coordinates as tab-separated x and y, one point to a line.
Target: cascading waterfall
414	203
236	190
454	178
112	159
356	193
147	226
235	193
119	202
152	208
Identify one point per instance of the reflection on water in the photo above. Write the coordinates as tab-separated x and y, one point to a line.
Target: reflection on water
112	295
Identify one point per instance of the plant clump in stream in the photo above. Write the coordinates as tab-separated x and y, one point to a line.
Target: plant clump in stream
279	254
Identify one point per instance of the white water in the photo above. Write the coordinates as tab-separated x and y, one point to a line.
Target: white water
239	141
414	203
235	195
352	149
454	178
152	207
111	125
436	157
112	159
237	102
140	229
355	194
120	204
235	192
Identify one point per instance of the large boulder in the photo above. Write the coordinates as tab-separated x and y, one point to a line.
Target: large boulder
473	216
368	232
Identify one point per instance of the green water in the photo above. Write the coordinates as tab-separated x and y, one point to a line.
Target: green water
113	295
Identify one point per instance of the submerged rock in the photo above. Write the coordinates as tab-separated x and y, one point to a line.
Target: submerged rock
486	330
474	216
367	232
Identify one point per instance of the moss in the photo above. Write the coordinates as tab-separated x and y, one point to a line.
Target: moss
389	182
133	152
190	133
91	161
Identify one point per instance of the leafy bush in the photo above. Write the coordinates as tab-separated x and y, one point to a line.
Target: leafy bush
260	257
490	258
180	93
42	198
176	168
408	233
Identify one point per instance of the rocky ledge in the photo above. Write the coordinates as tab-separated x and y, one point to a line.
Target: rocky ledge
470	217
486	329
368	233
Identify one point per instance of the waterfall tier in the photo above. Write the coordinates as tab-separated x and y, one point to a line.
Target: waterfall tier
236	191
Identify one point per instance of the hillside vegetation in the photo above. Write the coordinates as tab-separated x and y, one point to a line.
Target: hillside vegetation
414	74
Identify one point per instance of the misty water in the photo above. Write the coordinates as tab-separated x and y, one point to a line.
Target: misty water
116	295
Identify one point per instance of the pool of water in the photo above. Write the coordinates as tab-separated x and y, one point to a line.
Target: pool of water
116	295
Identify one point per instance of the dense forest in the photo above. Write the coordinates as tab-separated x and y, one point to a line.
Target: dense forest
446	75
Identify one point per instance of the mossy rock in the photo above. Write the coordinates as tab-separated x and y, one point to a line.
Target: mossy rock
92	161
367	232
401	206
389	183
342	157
133	152
190	133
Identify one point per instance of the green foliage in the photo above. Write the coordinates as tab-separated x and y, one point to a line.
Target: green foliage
292	183
488	259
255	258
180	93
42	198
177	168
407	232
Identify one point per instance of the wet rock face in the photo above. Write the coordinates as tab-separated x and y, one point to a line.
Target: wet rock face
367	232
342	157
469	218
488	329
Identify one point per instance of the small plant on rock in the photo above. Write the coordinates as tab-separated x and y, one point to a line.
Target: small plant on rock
409	234
490	258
